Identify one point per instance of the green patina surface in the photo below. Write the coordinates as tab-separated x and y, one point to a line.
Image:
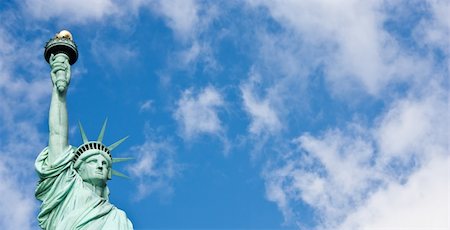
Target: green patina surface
73	181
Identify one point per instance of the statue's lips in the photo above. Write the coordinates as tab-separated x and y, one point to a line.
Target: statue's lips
99	172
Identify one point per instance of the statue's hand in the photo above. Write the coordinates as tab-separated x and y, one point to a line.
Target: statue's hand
60	72
68	73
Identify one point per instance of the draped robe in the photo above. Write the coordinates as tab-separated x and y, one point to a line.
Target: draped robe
67	201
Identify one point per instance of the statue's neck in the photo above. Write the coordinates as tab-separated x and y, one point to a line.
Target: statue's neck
99	190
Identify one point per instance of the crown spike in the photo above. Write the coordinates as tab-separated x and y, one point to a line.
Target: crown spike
116	173
117	160
113	146
102	132
83	134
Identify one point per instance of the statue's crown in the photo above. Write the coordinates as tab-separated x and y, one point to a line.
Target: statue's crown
91	145
87	145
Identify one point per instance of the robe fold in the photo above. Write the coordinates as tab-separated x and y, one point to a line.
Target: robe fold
68	203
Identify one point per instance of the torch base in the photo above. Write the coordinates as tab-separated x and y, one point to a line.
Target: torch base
61	45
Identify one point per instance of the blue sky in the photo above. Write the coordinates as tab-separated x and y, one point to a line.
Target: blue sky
256	114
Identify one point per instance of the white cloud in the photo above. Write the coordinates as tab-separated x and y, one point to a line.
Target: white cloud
434	30
181	16
264	118
154	167
189	20
23	88
418	124
189	55
17	202
146	105
358	53
339	172
109	54
193	54
71	11
353	175
198	113
421	203
330	173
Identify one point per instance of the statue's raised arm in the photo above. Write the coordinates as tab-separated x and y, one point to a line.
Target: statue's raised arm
58	120
72	182
60	53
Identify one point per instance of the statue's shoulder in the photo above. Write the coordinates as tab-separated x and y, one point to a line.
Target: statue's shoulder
64	158
70	149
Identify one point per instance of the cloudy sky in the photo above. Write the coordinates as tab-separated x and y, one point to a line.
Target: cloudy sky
258	114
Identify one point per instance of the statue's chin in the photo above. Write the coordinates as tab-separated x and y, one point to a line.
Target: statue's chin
98	182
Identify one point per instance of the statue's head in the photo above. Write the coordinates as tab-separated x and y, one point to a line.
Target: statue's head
94	167
93	161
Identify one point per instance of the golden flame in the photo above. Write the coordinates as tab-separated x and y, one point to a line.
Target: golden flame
64	34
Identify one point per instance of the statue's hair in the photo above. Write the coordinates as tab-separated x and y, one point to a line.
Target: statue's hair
91	145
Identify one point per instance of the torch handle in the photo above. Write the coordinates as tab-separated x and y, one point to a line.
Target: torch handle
60	65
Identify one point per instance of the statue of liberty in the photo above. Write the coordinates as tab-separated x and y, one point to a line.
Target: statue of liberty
73	180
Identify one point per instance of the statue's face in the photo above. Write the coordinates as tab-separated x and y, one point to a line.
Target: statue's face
94	170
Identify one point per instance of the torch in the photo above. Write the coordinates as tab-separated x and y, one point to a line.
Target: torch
61	52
